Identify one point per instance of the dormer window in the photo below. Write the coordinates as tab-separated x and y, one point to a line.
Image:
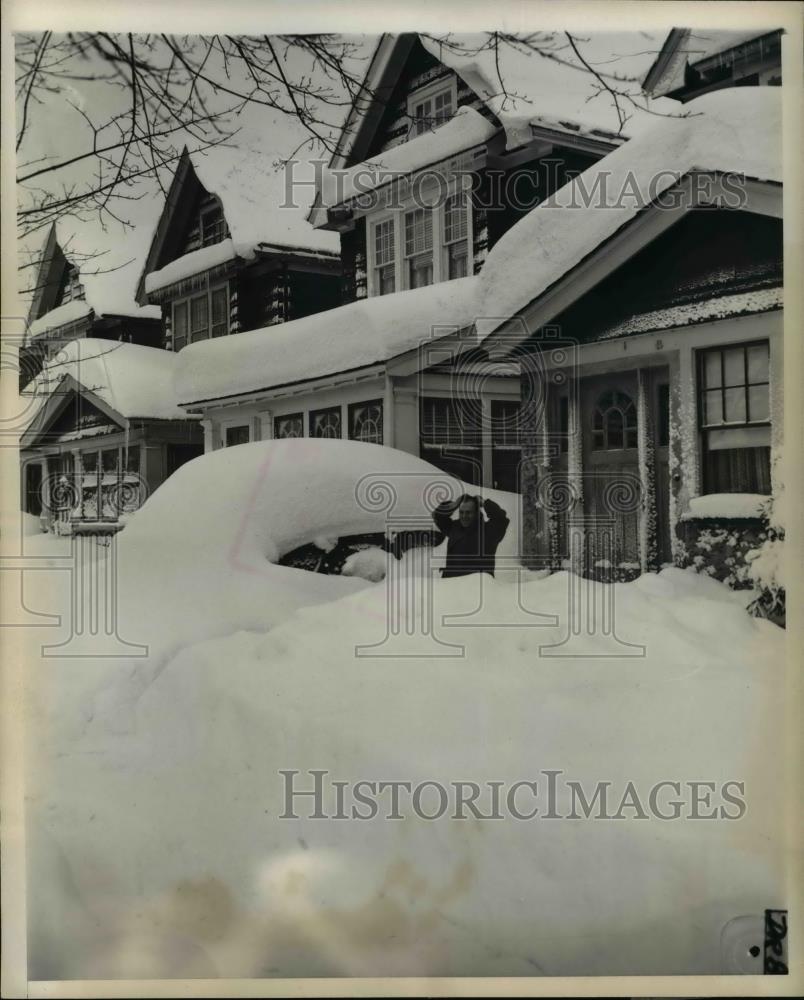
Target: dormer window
431	106
212	225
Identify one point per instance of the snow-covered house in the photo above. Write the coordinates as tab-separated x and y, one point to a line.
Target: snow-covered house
449	147
219	262
693	62
105	433
648	324
64	306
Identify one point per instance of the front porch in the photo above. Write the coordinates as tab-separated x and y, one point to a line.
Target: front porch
614	445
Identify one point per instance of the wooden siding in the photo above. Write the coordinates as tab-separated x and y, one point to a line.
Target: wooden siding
420	69
709	253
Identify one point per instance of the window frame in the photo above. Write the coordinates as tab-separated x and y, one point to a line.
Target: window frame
236	425
220	228
428	92
440	251
121	474
351	410
325	410
704	389
186	300
298	415
747	435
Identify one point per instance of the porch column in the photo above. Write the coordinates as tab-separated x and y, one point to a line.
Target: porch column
388	416
406	420
684	453
208	439
647	474
486	454
776	348
576	527
533	439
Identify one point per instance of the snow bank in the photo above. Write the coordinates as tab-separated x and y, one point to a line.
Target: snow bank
729	131
70	312
361	333
154	839
195	262
468	128
727	505
135	381
554	89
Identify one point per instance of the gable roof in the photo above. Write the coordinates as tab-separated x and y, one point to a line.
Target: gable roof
735	131
239	171
553	89
103	295
552	94
49	271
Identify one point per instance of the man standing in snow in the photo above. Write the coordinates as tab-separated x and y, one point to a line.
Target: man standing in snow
472	540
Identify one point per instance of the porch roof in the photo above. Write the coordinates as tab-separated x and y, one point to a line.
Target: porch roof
338	340
133	381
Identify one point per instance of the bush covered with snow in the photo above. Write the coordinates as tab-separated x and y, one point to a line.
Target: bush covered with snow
766	563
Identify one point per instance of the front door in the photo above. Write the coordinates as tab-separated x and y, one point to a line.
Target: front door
611	491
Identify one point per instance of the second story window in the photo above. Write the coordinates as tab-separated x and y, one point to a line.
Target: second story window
456	236
201	316
419	247
384	257
414	246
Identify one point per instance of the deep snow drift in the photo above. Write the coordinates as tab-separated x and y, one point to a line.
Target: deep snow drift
154	844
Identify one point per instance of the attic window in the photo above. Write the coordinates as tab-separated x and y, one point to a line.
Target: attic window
213	225
72	289
431	106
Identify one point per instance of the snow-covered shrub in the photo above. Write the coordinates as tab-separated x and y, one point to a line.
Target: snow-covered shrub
765	565
739	540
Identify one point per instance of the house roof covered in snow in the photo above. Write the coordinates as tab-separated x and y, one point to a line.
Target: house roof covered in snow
685	47
134	381
545	87
106	292
466	130
357	335
734	131
540	79
241	171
